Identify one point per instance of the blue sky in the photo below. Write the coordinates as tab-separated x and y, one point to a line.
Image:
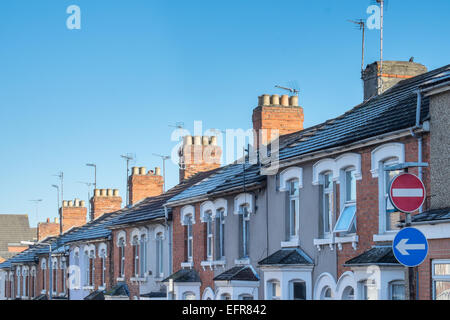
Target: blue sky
69	97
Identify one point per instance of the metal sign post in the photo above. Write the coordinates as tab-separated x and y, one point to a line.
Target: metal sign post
407	246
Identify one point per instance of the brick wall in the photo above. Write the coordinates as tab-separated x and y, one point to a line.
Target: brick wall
105	201
73	217
367	198
46	229
199	247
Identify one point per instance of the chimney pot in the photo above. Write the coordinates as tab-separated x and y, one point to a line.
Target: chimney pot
65	203
135	171
82	203
275	99
109	193
48	220
187	140
198	140
285	100
97	193
116	192
293	101
103	192
142	171
76	202
266	100
214	141
70	203
157	171
205	140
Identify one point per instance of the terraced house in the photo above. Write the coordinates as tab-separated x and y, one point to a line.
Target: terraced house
315	224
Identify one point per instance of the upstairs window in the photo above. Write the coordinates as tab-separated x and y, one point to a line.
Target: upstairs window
143	256
347	219
327	204
189	237
159	255
135	248
55	276
209	235
293	209
397	290
121	257
219	234
244	222
103	267
441	279
391	215
274	290
298	290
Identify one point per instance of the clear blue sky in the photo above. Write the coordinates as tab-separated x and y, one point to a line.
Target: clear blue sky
68	97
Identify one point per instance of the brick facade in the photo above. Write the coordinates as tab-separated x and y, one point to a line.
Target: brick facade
143	185
47	229
105	201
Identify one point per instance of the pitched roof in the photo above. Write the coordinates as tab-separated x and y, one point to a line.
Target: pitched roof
287	256
152	207
13	229
236	182
184	275
432	215
381	255
393	110
238	273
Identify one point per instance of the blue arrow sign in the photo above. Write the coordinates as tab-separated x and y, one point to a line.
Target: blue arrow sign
410	247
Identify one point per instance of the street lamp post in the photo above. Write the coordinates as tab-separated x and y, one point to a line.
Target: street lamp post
29	243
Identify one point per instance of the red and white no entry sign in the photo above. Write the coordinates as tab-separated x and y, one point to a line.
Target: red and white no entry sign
407	192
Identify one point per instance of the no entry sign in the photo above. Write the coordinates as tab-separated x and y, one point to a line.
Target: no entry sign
407	192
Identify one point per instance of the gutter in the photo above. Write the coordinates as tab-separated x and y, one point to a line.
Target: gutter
431	223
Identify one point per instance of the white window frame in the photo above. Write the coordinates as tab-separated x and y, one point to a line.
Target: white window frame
55	275
220	215
209	235
395	283
445	278
291	288
294	227
245	236
159	238
121	244
190	237
344	203
330	192
274	289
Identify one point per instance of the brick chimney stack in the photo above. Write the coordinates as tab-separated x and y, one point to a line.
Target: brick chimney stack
105	201
47	229
276	116
74	214
198	154
144	184
376	83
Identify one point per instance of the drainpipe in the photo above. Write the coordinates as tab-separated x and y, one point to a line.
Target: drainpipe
166	214
419	138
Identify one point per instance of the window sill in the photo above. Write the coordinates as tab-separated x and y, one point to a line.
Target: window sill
212	264
242	262
88	288
138	279
187	265
102	288
353	239
293	243
323	242
388	236
120	279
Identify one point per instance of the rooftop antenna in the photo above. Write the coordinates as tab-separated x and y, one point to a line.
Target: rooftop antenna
179	125
293	91
362	26
89	185
164	158
128	157
60	175
381	2
36	202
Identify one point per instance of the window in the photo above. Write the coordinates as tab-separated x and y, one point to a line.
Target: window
244	221
135	248
298	290
189	296
327	204
348	294
346	222
219	234
26	282
18	282
103	266
209	235
63	274
392	216
190	237
369	290
33	283
245	297
441	279
326	294
55	276
122	257
44	274
159	255
397	290
274	288
293	209
143	256
225	296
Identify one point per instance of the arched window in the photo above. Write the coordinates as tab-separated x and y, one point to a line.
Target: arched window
209	235
121	245
225	296
33	282
219	234
189	296
189	236
244	224
293	208
297	290
326	204
55	276
44	274
245	296
143	255
348	293
18	273
63	267
135	248
159	255
102	254
326	294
